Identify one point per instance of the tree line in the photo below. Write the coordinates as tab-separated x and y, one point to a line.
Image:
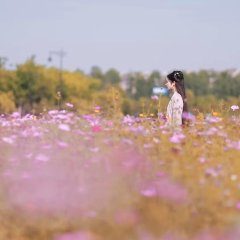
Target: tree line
32	87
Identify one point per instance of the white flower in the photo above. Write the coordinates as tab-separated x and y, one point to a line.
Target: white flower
234	107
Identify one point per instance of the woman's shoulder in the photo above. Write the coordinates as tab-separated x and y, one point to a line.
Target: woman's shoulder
177	98
177	95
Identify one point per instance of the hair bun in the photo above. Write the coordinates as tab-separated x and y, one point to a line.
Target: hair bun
178	76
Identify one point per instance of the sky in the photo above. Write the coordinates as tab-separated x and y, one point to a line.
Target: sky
128	35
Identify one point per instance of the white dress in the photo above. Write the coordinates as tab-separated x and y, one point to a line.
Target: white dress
175	110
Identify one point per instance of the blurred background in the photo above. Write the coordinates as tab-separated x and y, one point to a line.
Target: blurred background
91	52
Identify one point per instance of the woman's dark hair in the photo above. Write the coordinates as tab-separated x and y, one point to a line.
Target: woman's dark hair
178	78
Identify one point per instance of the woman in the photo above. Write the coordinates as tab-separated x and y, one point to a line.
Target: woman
177	105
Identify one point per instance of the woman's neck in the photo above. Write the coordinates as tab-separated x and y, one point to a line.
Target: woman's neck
174	90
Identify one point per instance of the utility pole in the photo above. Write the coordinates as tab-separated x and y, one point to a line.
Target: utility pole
60	87
61	54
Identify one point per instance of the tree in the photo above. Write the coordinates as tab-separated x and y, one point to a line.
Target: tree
30	85
226	85
155	78
198	82
3	61
96	72
112	77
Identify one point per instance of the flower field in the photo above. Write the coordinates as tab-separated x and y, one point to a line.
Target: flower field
66	176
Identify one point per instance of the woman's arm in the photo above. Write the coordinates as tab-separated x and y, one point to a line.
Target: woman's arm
177	110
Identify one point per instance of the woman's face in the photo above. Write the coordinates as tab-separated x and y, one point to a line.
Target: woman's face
170	85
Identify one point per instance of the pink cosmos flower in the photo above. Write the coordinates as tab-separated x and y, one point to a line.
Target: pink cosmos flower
128	120
52	112
202	159
68	185
149	191
96	128
83	235
238	205
188	116
97	107
62	144
64	127
8	140
109	123
165	188
94	149
177	138
16	115
212	119
127	217
154	98
70	105
42	158
213	172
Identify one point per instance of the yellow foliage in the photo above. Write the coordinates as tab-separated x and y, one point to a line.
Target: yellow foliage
7	104
110	100
80	85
